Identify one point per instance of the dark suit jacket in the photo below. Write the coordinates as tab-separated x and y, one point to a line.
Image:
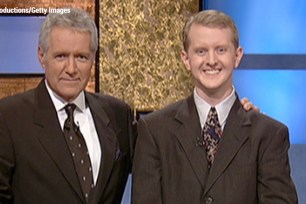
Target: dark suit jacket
36	166
250	167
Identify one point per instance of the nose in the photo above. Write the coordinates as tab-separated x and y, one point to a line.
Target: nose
211	58
71	65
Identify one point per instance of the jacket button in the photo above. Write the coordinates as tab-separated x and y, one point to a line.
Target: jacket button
208	200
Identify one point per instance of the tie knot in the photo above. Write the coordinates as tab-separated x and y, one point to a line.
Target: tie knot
212	113
212	118
213	110
69	108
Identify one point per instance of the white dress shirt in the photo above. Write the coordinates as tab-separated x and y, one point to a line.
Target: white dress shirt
223	108
84	120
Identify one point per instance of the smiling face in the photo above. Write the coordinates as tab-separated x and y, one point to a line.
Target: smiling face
211	57
67	61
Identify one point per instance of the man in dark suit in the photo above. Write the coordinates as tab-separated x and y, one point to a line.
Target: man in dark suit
36	163
207	148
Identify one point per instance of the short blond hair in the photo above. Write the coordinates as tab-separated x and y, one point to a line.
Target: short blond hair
210	18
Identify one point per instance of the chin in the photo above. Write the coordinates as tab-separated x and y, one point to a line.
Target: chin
211	86
70	95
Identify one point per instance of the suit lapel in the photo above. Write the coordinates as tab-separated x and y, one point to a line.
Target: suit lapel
233	137
188	133
108	143
52	138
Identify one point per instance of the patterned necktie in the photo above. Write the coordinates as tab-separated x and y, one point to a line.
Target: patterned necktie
211	135
78	150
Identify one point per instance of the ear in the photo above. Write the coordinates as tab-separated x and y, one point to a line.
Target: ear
185	59
41	57
238	57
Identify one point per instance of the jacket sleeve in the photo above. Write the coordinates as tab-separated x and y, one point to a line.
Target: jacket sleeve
146	174
274	181
7	162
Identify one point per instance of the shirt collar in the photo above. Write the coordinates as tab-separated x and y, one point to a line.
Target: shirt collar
60	103
223	108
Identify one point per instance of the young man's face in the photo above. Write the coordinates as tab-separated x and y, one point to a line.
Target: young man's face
211	58
67	62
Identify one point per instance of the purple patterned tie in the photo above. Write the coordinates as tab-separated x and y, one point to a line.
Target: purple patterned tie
211	135
78	150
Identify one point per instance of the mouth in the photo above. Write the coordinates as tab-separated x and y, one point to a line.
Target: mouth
70	80
212	71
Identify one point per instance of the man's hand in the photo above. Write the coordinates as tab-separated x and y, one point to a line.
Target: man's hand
248	105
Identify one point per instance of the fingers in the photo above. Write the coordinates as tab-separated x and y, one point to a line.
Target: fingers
248	105
244	100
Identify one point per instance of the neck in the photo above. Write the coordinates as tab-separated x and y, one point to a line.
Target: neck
213	97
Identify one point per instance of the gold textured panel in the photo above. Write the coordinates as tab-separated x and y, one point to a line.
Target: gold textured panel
140	46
